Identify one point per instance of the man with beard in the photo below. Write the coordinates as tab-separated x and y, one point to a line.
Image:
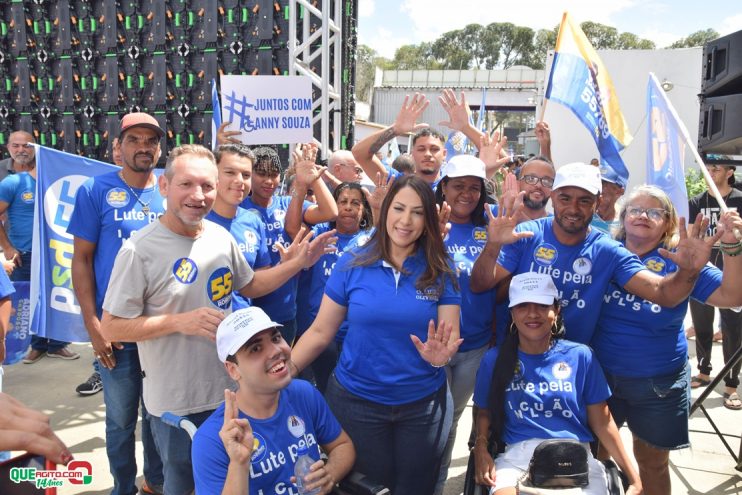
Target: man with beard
581	260
109	208
428	145
536	179
17	198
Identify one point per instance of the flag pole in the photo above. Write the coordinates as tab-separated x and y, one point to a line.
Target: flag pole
696	156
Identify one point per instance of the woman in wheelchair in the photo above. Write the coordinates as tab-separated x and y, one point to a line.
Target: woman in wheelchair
537	386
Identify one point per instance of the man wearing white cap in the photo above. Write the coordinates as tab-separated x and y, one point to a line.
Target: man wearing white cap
581	260
250	443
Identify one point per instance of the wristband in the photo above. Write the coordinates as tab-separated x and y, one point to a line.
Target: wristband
440	365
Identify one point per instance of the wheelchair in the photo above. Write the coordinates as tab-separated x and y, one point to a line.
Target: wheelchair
354	483
615	480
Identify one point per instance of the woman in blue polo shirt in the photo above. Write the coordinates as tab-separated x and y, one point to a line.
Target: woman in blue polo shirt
462	188
389	389
642	346
537	386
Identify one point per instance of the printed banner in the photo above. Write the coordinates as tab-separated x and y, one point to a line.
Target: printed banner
56	313
216	115
268	109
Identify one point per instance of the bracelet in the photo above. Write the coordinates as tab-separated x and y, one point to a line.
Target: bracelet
732	251
728	245
440	365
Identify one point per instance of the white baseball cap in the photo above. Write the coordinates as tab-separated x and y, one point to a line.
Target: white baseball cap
532	287
238	328
580	175
464	166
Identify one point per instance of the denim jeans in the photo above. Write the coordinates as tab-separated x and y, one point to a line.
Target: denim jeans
398	446
174	446
122	394
23	274
461	373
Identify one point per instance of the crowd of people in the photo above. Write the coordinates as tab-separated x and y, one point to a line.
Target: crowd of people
395	303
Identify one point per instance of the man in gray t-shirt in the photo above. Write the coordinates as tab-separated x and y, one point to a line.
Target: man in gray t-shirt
171	286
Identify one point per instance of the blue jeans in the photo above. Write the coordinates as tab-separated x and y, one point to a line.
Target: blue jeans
174	446
122	394
398	446
461	373
23	274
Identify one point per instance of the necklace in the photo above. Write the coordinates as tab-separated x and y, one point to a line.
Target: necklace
145	206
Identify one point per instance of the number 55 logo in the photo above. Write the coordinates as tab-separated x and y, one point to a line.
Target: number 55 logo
219	288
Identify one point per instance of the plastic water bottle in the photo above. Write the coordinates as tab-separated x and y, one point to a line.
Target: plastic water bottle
302	468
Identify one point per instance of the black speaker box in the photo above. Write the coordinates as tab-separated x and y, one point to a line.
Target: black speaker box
720	129
722	66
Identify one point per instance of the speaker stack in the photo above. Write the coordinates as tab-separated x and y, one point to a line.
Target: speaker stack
720	125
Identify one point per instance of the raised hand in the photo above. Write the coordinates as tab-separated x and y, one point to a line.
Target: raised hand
444	214
731	225
236	432
377	197
410	111
490	152
307	171
501	228
694	249
458	111
543	134
440	346
223	136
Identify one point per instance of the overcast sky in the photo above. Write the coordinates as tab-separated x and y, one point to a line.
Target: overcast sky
384	25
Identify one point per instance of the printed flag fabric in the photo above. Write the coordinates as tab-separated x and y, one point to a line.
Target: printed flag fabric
216	117
55	312
580	81
665	147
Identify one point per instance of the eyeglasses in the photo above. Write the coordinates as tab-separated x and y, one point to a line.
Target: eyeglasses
654	214
532	180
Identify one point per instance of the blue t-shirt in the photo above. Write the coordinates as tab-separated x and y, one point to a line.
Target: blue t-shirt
19	191
637	338
280	304
464	242
581	273
549	393
106	214
322	270
609	227
249	232
302	417
379	362
6	286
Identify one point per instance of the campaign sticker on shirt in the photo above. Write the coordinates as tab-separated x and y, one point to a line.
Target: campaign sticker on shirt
27	197
251	237
259	447
296	426
655	264
519	371
582	266
279	215
185	270
117	198
479	234
545	254
219	288
561	370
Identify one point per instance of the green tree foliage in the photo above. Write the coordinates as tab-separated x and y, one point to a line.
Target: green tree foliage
699	38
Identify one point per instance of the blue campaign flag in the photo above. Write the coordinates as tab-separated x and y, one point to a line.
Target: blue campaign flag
216	116
55	312
665	147
455	144
580	81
